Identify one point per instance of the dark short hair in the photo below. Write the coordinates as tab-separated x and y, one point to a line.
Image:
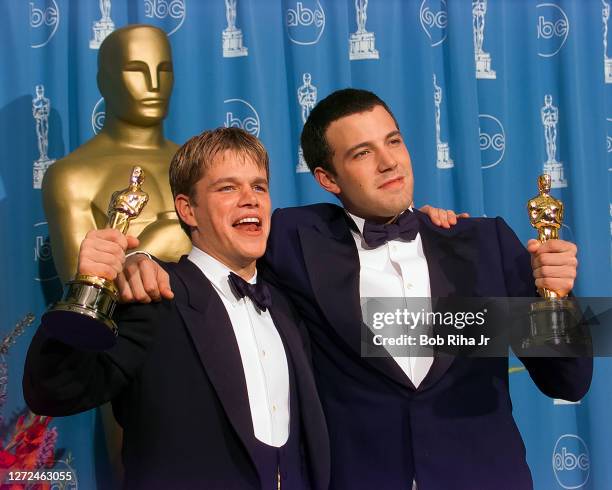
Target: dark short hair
191	160
340	103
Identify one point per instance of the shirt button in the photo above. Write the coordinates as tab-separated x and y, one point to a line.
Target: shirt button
274	408
408	285
263	353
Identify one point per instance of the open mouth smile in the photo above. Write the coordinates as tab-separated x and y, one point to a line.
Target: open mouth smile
250	225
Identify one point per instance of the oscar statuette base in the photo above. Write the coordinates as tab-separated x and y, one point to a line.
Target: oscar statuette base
554	323
83	319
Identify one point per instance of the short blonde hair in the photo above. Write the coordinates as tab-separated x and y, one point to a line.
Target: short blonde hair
191	160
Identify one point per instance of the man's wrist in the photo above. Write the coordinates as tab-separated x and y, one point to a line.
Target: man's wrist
136	252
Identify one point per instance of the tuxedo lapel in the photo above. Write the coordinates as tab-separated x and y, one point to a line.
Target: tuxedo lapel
288	330
333	267
452	261
315	436
210	328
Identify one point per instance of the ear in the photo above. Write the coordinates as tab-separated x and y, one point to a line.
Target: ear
326	180
184	209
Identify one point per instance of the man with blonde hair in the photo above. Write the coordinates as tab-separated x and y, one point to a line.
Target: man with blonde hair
213	388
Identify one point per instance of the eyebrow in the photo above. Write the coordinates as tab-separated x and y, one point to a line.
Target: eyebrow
235	180
395	132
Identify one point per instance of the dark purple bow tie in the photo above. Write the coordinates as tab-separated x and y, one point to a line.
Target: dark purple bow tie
406	227
259	293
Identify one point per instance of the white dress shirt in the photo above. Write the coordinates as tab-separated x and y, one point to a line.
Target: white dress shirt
261	350
397	269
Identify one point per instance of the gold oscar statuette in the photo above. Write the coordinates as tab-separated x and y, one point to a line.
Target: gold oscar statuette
553	319
84	317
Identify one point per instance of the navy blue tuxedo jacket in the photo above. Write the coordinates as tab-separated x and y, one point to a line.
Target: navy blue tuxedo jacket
456	431
177	386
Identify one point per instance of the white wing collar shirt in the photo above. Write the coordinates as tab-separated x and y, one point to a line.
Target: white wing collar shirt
397	269
262	352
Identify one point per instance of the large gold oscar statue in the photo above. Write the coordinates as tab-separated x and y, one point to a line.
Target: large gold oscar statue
135	78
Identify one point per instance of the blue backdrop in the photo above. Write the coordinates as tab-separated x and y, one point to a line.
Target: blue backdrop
488	94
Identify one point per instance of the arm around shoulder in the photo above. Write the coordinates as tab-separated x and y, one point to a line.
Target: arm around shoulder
282	258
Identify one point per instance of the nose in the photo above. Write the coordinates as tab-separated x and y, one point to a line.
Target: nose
386	160
248	197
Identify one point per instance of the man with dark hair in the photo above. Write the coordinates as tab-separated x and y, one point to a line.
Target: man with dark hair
315	146
441	422
214	389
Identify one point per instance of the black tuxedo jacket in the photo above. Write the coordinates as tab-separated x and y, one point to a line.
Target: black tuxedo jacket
176	382
456	431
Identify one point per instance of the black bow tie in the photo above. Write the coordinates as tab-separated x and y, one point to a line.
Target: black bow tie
259	293
406	227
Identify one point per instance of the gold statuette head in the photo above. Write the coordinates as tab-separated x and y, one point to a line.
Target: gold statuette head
545	212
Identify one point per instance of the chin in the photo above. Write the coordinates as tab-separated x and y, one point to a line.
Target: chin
400	205
254	253
394	210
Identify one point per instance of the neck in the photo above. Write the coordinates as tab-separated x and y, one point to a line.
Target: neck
246	272
130	135
245	269
377	219
391	220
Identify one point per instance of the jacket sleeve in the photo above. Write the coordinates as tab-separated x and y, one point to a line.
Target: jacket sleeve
283	263
557	377
61	380
280	267
273	265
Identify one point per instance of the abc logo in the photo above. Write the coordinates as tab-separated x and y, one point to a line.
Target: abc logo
98	114
158	10
492	140
44	20
42	254
571	462
42	248
434	20
553	29
240	114
305	22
